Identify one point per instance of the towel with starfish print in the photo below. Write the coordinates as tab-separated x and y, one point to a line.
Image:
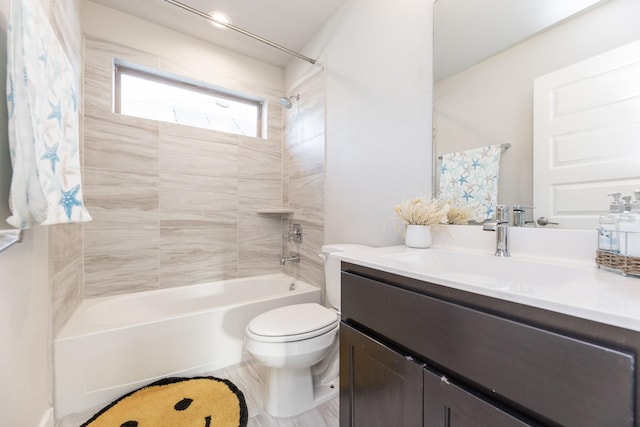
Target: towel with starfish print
471	178
42	105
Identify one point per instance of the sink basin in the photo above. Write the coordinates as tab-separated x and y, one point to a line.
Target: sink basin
486	270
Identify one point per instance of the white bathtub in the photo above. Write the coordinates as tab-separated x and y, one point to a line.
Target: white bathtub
113	345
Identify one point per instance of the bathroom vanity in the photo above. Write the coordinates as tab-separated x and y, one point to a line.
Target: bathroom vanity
420	346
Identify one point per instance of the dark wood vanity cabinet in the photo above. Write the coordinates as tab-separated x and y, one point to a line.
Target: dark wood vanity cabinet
384	386
418	354
449	405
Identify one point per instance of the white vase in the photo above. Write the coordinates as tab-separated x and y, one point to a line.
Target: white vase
418	236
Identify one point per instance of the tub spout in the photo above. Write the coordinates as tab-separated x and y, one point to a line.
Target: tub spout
287	259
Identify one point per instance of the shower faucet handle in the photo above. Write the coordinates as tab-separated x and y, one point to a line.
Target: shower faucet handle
295	232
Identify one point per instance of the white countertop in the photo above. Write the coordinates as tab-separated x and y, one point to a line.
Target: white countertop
572	285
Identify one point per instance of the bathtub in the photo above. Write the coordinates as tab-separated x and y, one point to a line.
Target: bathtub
113	345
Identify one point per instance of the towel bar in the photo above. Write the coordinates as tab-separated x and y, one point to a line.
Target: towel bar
9	238
504	146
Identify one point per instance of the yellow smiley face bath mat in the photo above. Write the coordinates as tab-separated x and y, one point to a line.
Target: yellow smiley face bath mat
177	402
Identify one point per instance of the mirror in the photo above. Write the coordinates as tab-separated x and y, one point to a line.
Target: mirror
487	54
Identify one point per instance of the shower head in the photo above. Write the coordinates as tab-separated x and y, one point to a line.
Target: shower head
286	101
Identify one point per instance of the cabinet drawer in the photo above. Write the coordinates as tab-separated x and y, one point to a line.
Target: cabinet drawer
554	378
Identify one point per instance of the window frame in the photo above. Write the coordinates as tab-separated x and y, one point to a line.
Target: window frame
120	68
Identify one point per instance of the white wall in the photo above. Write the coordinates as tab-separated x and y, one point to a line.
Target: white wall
25	343
25	297
25	339
492	102
378	58
5	160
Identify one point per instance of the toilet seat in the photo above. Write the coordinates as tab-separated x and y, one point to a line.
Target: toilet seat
293	323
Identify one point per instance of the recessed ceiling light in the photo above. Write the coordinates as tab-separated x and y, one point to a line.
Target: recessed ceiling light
219	19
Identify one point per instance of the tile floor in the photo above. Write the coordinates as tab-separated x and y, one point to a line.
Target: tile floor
250	379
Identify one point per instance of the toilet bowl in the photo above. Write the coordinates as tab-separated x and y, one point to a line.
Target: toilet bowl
299	346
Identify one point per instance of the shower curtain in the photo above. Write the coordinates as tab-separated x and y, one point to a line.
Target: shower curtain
42	105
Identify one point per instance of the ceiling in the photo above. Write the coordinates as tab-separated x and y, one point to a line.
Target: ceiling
290	23
467	32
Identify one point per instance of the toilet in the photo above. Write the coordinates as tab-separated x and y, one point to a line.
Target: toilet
299	346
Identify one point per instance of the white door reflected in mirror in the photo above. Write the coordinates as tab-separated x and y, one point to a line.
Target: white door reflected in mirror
586	125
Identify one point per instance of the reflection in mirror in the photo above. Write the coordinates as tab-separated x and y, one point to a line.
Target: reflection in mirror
483	89
586	123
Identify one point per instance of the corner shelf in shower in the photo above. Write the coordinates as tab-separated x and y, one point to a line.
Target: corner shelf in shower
276	211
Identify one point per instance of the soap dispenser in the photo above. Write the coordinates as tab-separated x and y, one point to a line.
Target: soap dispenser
609	235
629	226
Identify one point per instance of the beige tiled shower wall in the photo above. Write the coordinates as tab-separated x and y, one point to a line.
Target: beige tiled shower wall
304	177
65	240
174	205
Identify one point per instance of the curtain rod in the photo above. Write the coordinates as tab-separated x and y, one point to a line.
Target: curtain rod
242	31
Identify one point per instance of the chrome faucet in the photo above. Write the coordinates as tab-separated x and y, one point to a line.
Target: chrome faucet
501	227
520	215
287	259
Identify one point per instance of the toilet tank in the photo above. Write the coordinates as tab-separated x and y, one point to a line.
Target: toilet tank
332	270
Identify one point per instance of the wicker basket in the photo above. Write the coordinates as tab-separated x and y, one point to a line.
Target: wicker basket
623	263
618	260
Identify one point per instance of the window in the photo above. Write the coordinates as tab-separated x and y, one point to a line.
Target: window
156	96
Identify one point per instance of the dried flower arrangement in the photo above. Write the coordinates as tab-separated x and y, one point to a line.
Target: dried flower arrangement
422	211
459	213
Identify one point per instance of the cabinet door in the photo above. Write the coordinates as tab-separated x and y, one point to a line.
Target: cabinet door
378	386
447	405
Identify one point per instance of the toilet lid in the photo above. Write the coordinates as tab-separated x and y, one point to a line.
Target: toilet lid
294	320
